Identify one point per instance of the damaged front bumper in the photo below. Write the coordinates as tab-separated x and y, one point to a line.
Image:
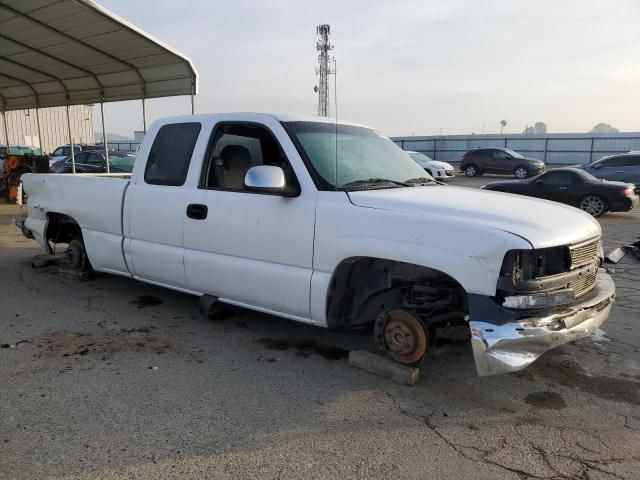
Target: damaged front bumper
514	345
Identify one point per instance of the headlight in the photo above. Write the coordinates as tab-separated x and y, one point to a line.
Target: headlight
540	300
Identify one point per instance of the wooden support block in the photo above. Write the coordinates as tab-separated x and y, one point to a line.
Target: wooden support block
75	274
384	367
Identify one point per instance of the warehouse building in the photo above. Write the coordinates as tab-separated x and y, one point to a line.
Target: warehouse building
22	126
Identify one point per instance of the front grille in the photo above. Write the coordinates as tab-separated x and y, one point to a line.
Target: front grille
584	253
584	284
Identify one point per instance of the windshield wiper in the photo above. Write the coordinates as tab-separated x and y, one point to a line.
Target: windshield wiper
420	181
374	181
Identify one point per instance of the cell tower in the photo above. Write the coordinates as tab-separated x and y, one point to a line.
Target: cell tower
324	68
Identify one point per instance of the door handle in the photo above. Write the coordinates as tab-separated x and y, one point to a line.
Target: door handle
563	188
620	171
197	211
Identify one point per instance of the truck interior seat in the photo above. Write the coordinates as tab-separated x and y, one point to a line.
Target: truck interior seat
236	160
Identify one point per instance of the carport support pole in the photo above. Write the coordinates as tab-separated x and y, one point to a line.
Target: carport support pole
193	97
73	156
144	115
104	137
6	130
39	131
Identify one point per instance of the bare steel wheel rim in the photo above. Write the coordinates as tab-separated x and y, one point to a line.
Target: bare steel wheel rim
521	172
592	205
470	171
405	337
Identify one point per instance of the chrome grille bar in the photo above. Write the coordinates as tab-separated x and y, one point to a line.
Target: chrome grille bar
584	253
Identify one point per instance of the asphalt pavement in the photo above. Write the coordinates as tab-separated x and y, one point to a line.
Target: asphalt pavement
114	379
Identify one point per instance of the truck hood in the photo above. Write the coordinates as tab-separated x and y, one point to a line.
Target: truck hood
542	223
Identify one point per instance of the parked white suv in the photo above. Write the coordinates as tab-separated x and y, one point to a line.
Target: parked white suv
333	225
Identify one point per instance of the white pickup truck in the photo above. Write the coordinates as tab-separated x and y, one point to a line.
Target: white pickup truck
332	224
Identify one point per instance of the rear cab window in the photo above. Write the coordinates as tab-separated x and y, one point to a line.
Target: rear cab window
170	155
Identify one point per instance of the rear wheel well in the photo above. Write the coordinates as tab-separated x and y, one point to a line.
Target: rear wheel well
363	287
62	228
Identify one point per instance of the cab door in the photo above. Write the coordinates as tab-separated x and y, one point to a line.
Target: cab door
156	202
248	248
556	186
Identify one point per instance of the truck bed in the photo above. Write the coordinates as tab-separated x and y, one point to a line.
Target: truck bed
93	201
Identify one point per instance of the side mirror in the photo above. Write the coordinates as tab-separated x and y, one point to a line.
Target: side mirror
264	179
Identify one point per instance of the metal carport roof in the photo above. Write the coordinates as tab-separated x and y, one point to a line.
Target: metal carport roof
69	52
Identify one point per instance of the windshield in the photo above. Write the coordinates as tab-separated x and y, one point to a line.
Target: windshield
420	157
362	154
513	153
122	161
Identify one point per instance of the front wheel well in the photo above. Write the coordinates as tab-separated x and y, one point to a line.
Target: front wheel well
363	287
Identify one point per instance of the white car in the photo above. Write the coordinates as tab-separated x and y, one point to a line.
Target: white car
437	169
257	210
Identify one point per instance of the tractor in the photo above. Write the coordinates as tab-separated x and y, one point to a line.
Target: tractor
16	161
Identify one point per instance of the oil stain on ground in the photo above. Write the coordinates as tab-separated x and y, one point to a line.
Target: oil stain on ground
305	348
569	374
144	301
101	344
549	400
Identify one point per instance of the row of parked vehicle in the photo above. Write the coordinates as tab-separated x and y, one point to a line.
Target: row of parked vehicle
16	160
606	185
95	162
624	167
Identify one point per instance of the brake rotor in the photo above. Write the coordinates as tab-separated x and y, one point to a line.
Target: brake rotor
404	336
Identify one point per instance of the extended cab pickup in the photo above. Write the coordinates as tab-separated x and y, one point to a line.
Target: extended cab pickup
333	225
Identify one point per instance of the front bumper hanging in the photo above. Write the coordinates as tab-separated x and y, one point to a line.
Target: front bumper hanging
514	345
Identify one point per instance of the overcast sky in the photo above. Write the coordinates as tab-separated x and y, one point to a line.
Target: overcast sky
405	66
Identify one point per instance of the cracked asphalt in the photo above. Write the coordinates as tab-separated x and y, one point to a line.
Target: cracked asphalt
115	379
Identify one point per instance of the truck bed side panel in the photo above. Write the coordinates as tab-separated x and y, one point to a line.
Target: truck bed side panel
94	202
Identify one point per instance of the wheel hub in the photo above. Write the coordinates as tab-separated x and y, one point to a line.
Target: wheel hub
592	205
404	337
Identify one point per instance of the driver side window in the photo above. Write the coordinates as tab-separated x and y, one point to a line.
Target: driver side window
235	149
500	155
